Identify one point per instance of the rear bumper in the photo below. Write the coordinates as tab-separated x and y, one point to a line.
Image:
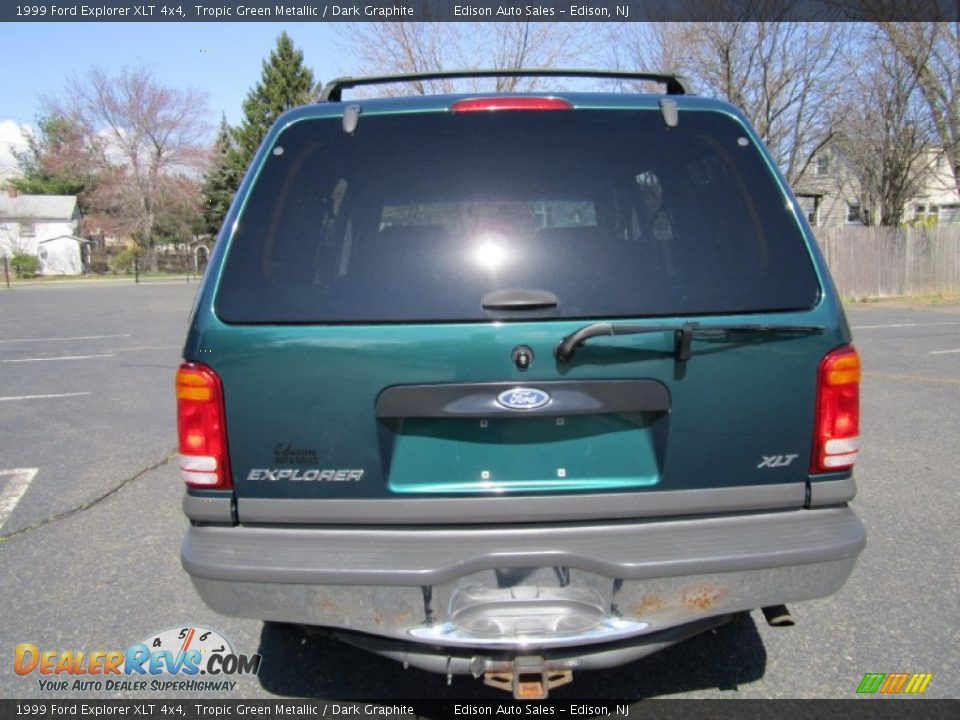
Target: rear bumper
535	587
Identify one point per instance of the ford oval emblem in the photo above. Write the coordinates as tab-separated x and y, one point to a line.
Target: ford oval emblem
523	398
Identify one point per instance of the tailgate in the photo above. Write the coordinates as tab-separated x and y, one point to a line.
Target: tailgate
381	413
367	310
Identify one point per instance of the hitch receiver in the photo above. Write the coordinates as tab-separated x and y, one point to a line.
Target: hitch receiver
527	677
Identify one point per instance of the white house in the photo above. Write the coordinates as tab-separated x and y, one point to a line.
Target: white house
46	226
62	255
937	200
829	195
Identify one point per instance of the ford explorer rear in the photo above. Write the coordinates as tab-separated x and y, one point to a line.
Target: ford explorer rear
517	385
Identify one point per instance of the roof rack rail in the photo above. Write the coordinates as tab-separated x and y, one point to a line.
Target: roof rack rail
676	84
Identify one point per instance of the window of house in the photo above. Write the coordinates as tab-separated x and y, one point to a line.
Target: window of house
823	166
809	206
27	230
854	214
924	212
948	214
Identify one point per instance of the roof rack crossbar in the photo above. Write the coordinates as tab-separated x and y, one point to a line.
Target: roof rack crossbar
332	91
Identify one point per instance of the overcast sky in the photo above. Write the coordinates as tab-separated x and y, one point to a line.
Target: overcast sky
222	59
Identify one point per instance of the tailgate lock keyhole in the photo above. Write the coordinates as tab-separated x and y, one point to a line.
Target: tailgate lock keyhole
522	357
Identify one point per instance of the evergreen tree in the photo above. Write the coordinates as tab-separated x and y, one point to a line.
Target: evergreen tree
220	182
57	161
285	83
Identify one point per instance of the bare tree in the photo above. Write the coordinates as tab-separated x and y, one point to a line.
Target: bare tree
884	138
533	45
932	50
787	77
421	47
656	47
400	47
12	243
148	139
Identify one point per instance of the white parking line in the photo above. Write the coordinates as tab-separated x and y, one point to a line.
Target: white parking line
172	281
12	489
944	352
62	357
149	347
42	397
78	337
901	325
913	378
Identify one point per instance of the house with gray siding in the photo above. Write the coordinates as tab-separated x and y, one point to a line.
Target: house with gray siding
829	194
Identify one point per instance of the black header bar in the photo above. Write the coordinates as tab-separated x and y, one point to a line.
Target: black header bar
473	10
187	708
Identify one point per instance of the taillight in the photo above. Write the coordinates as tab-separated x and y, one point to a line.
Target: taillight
202	428
837	422
510	103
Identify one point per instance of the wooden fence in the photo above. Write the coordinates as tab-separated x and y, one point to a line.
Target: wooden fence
874	262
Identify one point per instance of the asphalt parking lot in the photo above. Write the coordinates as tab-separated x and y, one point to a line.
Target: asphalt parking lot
90	519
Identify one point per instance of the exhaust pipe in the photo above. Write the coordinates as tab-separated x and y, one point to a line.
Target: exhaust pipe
778	616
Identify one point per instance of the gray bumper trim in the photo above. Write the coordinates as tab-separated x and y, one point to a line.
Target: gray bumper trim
832	492
543	508
207	509
419	557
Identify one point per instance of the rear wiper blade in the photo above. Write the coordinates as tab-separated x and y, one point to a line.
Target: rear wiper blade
683	334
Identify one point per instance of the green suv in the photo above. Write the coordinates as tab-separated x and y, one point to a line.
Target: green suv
514	385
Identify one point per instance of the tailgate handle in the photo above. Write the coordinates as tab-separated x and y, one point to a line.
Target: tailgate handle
480	400
519	300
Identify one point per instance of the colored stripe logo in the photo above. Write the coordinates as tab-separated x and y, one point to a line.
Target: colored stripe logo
894	683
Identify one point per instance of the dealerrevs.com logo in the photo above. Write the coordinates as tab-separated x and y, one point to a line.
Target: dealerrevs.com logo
185	658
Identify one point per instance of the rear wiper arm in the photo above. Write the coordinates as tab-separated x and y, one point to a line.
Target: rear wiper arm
683	334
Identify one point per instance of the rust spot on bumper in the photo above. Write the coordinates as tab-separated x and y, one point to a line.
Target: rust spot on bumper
702	597
648	604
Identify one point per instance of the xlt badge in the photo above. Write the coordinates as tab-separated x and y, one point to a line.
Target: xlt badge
775	461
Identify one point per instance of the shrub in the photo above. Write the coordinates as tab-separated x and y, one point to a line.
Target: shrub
24	265
123	260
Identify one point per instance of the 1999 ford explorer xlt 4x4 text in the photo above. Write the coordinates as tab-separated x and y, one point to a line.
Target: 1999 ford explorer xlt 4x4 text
516	385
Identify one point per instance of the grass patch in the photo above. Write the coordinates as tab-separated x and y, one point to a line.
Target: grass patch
118	277
923	299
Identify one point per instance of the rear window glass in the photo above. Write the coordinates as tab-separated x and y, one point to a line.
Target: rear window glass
417	217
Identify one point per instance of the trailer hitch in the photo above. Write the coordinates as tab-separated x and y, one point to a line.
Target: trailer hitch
527	677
